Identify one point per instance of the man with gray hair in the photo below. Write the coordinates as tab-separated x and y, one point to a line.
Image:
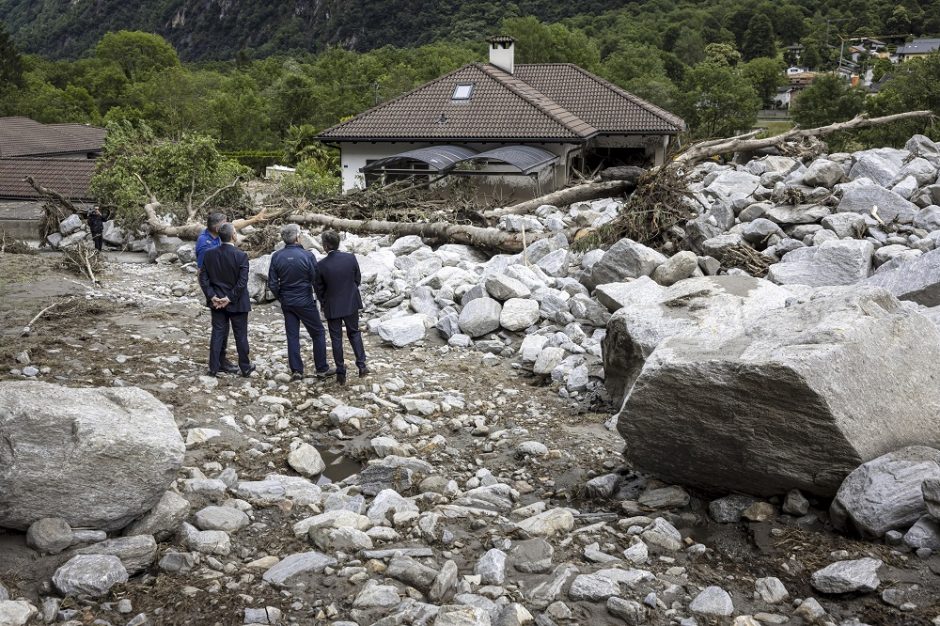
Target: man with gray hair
291	276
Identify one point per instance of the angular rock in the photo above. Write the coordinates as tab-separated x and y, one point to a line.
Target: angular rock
712	602
492	567
306	460
97	457
411	572
502	287
684	309
917	280
548	359
678	267
403	331
788	214
885	493
615	296
16	613
136	553
295	565
70	224
823	173
531	556
925	533
850	225
519	314
630	611
444	583
795	503
89	575
771	590
728	510
625	259
164	519
480	316
809	374
258	279
663	535
891	206
205	541
847	576
835	262
547	523
460	615
225	518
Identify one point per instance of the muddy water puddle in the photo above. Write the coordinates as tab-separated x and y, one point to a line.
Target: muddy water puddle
338	465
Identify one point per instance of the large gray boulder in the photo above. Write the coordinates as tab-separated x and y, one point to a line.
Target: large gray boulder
97	457
917	280
834	262
885	493
793	399
823	173
880	165
625	259
891	206
480	316
654	315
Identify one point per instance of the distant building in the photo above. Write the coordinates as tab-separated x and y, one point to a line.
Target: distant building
519	129
917	49
60	157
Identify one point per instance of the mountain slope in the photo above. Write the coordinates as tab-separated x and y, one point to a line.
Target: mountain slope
219	29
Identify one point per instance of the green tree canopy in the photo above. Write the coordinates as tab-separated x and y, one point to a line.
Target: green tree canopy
759	38
718	101
177	172
138	54
764	75
550	43
11	65
829	99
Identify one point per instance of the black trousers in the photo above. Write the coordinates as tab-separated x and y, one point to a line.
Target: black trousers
221	320
307	315
98	238
351	322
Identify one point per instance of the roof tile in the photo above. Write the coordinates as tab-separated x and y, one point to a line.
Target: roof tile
21	136
542	102
69	177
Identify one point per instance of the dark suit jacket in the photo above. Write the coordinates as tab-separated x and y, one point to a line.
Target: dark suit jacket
337	284
225	274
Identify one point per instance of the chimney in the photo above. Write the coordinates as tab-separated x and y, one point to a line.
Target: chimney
502	53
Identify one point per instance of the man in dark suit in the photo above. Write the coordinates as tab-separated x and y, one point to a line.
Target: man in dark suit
337	287
224	281
290	278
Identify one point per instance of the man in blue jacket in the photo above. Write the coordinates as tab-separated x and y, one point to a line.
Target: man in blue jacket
337	287
224	281
290	278
209	239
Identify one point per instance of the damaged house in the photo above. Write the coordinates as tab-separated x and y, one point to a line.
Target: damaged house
519	130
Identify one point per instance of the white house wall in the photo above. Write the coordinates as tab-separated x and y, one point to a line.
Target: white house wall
355	156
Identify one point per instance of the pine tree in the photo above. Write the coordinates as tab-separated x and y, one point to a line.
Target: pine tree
11	65
759	38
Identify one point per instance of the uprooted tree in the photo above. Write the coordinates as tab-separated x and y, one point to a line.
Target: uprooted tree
188	176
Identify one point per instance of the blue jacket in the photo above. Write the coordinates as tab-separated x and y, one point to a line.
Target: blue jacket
291	275
204	243
337	284
225	274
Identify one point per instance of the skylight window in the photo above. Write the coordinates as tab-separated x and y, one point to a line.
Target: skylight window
462	91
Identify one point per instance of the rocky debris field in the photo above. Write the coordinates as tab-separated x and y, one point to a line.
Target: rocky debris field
555	437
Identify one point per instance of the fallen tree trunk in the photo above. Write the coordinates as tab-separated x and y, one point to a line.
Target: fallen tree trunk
564	197
191	230
439	232
746	142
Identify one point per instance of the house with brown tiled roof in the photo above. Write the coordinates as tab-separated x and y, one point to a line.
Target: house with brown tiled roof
522	129
60	157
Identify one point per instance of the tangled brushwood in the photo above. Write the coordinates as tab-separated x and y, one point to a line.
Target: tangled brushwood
660	202
10	244
746	258
83	261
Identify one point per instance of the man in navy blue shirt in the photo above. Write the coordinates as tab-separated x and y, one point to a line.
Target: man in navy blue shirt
337	287
209	239
290	278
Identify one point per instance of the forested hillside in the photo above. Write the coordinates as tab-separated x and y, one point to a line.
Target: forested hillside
268	76
220	29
